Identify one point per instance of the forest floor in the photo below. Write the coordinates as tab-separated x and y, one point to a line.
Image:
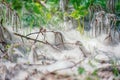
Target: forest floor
61	55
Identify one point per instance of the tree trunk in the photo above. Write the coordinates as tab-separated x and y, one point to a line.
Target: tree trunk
64	7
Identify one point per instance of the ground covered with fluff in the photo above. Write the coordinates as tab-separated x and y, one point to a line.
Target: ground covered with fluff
45	54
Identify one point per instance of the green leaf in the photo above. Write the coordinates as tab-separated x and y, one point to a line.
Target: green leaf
37	8
115	71
95	72
81	70
17	4
48	16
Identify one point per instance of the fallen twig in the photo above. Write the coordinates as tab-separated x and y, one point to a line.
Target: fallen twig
29	38
46	42
75	64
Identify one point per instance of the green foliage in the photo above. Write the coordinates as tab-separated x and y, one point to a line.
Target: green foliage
53	1
81	26
95	72
7	46
114	68
80	9
117	7
116	71
15	4
33	13
81	70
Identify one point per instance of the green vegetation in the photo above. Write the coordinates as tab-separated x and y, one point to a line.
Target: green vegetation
81	70
43	12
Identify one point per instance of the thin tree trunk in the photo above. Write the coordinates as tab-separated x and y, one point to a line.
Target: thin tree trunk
64	7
